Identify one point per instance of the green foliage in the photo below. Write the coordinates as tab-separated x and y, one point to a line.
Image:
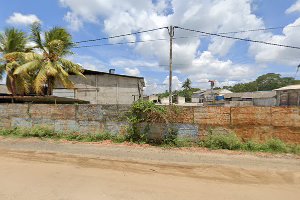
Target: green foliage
222	141
187	84
170	137
265	82
212	141
275	145
142	111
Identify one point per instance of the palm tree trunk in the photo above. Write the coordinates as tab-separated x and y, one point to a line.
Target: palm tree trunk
50	83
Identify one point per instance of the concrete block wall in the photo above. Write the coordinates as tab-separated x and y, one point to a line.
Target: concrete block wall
247	122
78	118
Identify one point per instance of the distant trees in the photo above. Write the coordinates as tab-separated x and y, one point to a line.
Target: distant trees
264	82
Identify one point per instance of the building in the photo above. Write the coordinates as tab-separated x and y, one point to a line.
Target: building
288	96
153	98
103	88
3	89
260	98
209	95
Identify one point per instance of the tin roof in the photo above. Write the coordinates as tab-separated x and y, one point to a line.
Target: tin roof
290	87
253	95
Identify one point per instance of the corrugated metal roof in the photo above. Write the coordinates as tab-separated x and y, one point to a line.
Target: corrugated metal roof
252	95
290	87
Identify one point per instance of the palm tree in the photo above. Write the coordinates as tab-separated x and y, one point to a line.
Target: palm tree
187	84
12	45
50	65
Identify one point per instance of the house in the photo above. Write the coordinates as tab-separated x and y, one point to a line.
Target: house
103	88
260	98
153	98
209	95
288	96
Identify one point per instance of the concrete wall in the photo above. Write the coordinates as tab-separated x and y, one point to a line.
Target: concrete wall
288	98
78	118
247	122
264	102
103	89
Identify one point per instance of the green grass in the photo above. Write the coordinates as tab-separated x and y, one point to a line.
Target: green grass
212	141
43	132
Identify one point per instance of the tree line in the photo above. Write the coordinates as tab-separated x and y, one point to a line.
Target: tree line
34	69
266	82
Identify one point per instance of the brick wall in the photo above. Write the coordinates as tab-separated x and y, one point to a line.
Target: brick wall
247	122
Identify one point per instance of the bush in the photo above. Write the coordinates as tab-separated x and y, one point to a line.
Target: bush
222	141
251	145
275	145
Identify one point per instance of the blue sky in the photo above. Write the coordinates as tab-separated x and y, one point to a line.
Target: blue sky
198	58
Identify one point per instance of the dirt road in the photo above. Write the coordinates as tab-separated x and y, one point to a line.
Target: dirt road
34	169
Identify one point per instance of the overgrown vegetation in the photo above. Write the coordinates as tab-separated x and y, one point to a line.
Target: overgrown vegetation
44	132
212	141
143	111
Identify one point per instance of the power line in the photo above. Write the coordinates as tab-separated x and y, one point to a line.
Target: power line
259	29
121	43
238	38
122	35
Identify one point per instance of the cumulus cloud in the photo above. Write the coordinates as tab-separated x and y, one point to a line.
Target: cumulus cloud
119	17
89	62
74	22
154	86
280	55
132	71
294	8
21	19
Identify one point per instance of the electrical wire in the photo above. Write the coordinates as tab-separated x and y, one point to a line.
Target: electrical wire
121	43
238	38
122	35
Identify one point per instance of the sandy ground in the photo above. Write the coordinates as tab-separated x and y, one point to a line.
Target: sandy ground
34	169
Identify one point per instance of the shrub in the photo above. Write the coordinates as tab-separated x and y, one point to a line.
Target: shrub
170	138
222	141
275	145
251	145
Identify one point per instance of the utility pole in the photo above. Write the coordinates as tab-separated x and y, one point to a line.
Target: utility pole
171	34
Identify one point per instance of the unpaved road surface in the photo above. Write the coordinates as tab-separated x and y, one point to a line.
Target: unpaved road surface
35	169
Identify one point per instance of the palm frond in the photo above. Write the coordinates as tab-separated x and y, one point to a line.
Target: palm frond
27	67
36	35
51	69
61	34
13	40
71	67
40	81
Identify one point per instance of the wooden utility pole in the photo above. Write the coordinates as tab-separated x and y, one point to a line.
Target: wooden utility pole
171	34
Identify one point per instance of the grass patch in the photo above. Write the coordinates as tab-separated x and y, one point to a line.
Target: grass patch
43	132
212	141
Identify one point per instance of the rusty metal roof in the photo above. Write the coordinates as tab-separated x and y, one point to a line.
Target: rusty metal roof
40	99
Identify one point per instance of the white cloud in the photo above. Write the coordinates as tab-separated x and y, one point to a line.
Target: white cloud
74	22
21	19
279	55
294	8
132	71
89	62
154	86
119	17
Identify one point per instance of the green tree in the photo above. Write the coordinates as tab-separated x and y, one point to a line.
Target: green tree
264	82
50	65
12	44
187	84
